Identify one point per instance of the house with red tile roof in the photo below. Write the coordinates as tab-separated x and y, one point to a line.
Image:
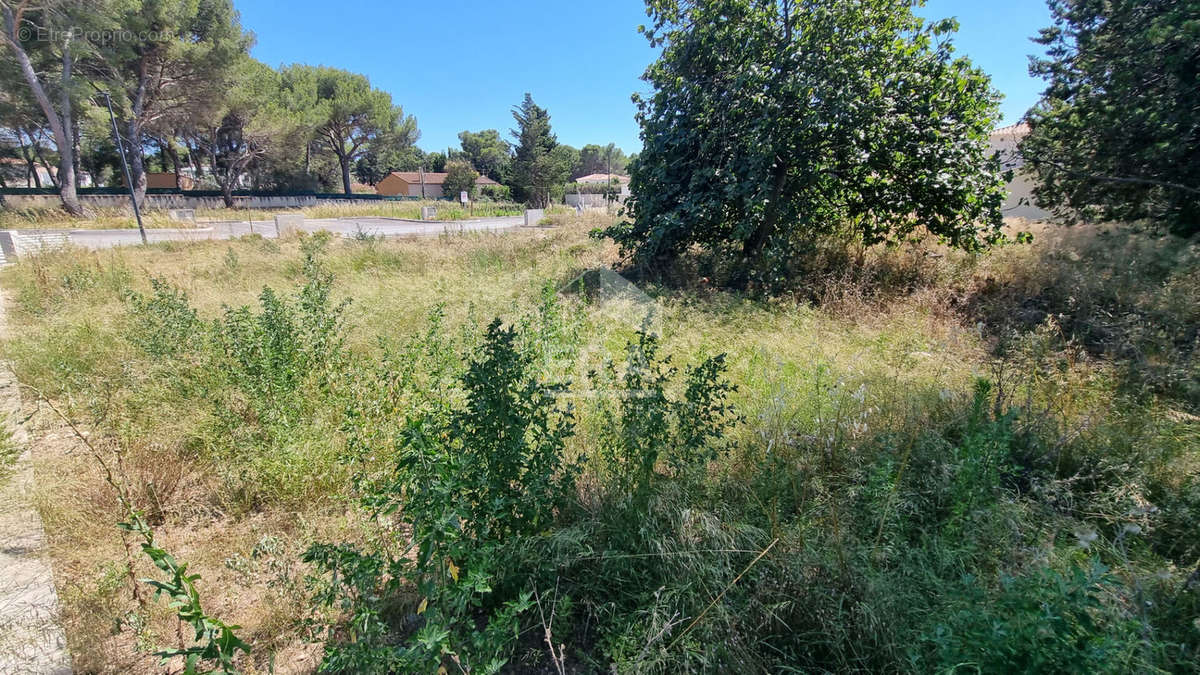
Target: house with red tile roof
427	185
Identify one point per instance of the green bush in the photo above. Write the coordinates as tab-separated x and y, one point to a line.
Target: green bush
265	375
496	193
165	323
483	481
647	426
1043	622
473	482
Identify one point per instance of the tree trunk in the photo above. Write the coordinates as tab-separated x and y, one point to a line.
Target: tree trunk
31	171
75	154
137	166
137	163
753	246
226	176
62	135
195	159
173	153
233	175
37	150
345	162
30	166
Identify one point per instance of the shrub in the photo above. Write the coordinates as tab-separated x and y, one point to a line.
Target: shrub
473	482
489	496
165	323
269	355
497	193
264	375
1042	622
647	426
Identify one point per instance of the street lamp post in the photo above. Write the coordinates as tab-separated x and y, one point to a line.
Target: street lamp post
124	165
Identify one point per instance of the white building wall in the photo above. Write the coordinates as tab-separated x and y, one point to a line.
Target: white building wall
1020	190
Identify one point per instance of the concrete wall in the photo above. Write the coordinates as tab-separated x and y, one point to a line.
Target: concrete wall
431	191
1020	191
15	244
534	216
154	201
588	201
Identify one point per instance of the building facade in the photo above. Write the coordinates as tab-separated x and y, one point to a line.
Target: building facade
427	185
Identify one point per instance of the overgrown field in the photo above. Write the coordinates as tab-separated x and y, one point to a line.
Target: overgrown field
103	218
473	454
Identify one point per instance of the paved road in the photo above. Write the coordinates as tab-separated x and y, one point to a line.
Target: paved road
347	227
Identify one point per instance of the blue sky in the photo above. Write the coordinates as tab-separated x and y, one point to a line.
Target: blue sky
463	65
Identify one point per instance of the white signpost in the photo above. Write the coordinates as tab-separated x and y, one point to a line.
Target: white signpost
462	197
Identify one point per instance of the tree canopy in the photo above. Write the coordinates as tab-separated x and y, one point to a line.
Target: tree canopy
540	165
772	122
600	159
460	177
352	115
166	58
244	125
487	152
1116	135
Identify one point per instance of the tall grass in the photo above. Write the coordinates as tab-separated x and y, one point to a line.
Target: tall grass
915	460
98	218
122	217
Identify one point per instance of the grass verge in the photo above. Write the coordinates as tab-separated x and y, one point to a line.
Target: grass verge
116	218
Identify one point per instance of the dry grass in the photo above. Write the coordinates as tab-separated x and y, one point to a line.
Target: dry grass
887	360
117	218
247	560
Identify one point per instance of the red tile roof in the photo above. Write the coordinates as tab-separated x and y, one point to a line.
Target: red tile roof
1018	129
431	178
414	177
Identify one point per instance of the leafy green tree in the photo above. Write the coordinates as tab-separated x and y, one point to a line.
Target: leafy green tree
540	166
385	155
487	152
601	159
304	164
244	125
774	122
434	161
352	115
97	152
460	177
21	23
563	161
1116	135
167	56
